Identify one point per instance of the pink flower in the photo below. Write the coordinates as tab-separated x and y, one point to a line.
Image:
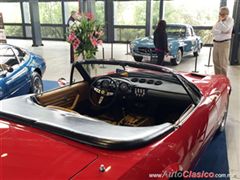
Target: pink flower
77	40
94	41
76	43
75	46
89	16
71	37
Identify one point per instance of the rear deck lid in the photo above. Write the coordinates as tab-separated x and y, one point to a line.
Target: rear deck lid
27	153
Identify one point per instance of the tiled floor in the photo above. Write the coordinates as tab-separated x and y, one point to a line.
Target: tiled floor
56	54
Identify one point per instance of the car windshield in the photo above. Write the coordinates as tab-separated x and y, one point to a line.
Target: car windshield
7	57
176	31
97	68
127	69
5	54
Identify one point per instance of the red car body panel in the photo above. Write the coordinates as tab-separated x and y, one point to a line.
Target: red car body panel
35	154
28	153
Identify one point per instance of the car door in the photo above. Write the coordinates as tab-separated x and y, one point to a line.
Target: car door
190	40
219	102
18	81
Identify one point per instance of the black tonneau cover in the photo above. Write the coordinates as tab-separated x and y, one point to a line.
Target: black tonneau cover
80	128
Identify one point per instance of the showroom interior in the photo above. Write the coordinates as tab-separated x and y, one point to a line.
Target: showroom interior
41	27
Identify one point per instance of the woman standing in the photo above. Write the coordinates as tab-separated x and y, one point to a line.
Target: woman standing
160	41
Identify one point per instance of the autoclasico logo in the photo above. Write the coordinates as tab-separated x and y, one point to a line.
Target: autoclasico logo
189	174
203	174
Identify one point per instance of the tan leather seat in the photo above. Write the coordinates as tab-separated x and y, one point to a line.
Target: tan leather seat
67	109
75	102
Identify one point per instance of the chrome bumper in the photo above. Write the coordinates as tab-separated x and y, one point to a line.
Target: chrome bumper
147	56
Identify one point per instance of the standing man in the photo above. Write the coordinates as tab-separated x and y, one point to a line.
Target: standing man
222	33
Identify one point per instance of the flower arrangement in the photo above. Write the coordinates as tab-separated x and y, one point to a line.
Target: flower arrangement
85	35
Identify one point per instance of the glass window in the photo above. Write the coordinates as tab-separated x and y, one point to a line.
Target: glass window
8	57
7	10
206	35
194	12
13	30
100	12
192	32
155	12
26	12
50	12
70	6
5	52
127	34
176	31
52	32
28	31
97	70
129	12
21	54
188	32
230	5
76	76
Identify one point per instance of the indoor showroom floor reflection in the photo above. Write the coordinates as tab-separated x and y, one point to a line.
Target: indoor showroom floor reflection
56	54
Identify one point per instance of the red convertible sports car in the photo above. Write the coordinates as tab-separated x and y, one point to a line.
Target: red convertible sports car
115	120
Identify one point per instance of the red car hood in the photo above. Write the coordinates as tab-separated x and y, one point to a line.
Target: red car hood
33	154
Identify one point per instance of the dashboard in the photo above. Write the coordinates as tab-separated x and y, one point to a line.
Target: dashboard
141	87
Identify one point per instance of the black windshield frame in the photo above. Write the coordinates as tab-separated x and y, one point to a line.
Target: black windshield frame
193	94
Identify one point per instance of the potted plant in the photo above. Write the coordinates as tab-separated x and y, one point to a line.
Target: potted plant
85	35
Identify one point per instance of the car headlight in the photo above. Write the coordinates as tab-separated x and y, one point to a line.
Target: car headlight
132	45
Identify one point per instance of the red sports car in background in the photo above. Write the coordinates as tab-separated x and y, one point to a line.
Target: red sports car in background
115	120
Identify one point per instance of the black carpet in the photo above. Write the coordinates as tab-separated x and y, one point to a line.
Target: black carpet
214	158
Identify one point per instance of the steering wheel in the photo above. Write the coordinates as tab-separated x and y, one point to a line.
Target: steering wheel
103	92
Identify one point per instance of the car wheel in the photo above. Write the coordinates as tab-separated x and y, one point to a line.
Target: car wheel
138	58
37	85
224	119
178	58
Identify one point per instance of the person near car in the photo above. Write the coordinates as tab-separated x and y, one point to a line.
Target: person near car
72	18
222	33
70	22
160	41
